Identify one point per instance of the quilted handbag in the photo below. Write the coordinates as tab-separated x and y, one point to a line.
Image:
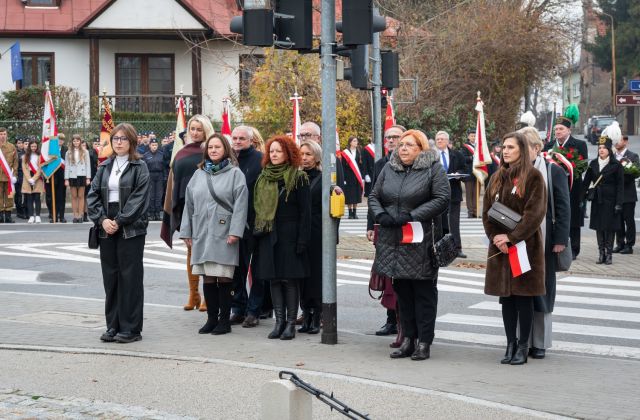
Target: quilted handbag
444	251
503	216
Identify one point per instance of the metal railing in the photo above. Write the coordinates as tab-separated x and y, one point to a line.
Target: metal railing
152	103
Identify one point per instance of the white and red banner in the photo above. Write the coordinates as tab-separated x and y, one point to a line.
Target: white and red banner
50	158
249	282
6	169
226	124
481	156
559	159
181	125
350	158
369	148
295	125
412	233
518	259
390	116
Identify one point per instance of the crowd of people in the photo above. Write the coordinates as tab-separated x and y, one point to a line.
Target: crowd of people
249	212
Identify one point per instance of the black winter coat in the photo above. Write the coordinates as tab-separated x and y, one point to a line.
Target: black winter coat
423	191
276	254
250	163
456	164
630	193
609	193
377	168
352	188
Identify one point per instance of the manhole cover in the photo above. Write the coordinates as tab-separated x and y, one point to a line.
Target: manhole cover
67	319
54	277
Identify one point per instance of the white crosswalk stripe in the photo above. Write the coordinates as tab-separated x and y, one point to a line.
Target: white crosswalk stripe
469	228
599	316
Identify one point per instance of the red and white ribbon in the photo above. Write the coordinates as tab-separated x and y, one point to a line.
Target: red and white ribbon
369	148
350	157
412	233
6	169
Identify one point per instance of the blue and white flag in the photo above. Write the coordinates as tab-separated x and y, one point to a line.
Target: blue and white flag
16	62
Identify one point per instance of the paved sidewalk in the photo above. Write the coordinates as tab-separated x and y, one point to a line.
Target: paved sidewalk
49	346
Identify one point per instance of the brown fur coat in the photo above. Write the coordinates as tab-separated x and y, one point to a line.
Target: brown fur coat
532	207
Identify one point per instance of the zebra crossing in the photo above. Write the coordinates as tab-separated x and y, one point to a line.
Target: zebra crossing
469	228
597	316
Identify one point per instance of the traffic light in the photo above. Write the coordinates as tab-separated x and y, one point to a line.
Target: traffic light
359	23
291	23
390	69
358	73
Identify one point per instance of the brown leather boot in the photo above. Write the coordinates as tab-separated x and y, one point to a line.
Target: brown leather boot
203	306
195	301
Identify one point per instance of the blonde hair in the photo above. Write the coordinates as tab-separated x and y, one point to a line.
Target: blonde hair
419	136
533	137
316	151
257	140
206	127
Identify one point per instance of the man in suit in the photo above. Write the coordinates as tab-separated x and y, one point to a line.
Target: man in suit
626	237
562	132
470	187
452	162
391	138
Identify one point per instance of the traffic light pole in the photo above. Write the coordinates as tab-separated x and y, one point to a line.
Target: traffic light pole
329	230
377	100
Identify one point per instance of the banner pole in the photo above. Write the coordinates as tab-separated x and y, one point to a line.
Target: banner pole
478	188
53	196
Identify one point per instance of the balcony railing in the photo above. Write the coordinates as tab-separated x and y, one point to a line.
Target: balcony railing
154	104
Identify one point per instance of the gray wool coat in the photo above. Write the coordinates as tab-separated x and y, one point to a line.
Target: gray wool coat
421	190
208	223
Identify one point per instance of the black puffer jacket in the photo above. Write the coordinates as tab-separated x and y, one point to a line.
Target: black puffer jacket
421	190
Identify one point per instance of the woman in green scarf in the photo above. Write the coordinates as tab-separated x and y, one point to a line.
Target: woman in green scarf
282	203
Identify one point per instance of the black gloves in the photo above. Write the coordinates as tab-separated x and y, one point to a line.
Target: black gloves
403	218
301	249
385	220
617	209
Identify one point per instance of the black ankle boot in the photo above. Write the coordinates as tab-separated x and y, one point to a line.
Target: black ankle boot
601	257
520	356
315	322
224	298
210	292
306	322
422	352
608	258
7	217
511	350
289	331
405	350
277	298
292	303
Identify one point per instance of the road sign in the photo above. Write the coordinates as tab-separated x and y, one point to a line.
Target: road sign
628	100
634	85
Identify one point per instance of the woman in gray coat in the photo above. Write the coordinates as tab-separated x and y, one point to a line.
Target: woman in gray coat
412	187
214	219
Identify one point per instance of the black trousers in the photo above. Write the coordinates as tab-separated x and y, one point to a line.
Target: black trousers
453	222
122	274
605	240
61	194
32	205
625	236
156	184
418	304
574	234
19	198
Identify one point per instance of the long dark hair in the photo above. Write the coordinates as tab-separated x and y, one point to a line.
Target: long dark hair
508	172
131	134
228	152
27	153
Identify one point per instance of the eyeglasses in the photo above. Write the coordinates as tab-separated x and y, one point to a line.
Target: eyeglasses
392	137
119	139
239	138
306	135
407	145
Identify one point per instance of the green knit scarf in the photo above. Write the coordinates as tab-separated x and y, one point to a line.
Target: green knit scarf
265	193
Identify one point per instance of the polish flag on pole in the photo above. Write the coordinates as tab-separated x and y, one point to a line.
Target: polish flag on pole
481	156
412	233
50	151
181	125
295	127
389	120
518	259
226	125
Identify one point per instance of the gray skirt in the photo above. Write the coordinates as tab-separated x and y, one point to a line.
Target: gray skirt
212	269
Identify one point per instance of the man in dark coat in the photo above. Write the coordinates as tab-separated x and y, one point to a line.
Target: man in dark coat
470	187
562	131
245	309
391	137
626	237
453	163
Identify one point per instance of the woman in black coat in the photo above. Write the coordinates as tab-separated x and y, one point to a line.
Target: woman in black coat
604	181
412	187
353	176
282	204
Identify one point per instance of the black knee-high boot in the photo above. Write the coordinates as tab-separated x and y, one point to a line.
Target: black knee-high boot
277	298
608	243
210	291
224	300
292	296
601	246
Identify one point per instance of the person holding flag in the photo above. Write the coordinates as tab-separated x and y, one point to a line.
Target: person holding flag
515	264
353	176
8	171
32	183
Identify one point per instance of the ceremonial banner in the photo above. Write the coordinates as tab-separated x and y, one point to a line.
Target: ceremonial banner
369	148
481	156
50	159
226	125
105	131
518	259
16	62
412	233
295	126
552	124
390	117
181	125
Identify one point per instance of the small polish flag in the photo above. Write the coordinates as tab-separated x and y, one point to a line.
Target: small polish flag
518	259
249	282
412	233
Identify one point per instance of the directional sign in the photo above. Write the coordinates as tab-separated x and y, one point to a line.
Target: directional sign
634	85
628	100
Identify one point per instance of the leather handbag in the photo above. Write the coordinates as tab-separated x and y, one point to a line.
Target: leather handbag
94	237
444	251
564	258
503	216
377	282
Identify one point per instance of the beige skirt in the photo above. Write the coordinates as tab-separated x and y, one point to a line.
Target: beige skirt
212	269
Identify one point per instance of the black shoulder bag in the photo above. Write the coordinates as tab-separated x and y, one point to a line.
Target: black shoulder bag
445	250
503	216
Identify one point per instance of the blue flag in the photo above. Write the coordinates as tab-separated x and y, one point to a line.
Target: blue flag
16	62
49	168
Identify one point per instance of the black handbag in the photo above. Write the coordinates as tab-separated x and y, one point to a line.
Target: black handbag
444	251
94	237
503	216
565	257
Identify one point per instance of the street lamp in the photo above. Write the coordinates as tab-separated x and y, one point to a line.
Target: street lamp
613	64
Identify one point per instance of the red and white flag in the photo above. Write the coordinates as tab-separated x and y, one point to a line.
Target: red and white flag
389	120
295	126
350	158
249	281
181	125
518	259
226	125
412	233
49	128
369	148
481	156
6	170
